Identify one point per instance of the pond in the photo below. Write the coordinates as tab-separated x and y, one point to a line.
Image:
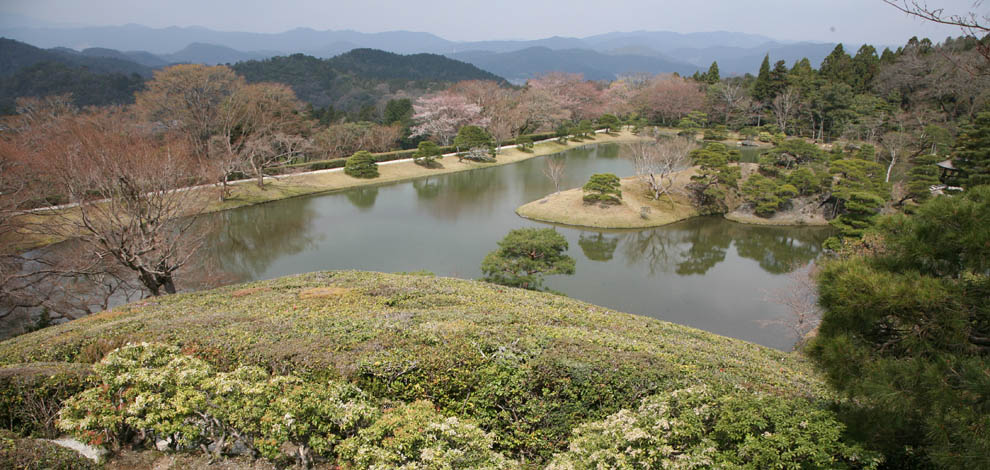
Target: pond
706	272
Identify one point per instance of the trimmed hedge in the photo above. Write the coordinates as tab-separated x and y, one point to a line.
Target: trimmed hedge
381	157
32	394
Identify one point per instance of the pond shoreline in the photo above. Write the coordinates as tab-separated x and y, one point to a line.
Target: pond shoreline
639	211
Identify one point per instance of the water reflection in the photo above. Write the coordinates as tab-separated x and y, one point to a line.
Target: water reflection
363	198
244	244
597	246
695	246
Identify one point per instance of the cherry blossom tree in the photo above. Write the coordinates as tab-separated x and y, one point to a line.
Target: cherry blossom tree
501	107
441	115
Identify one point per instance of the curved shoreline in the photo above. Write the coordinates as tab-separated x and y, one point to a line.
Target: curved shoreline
567	208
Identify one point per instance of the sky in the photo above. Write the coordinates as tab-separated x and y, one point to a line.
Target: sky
849	21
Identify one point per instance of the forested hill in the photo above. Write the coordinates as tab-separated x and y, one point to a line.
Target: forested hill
26	70
361	77
16	56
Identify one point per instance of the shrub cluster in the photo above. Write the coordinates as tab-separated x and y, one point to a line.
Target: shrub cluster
31	394
696	428
416	437
152	394
526	366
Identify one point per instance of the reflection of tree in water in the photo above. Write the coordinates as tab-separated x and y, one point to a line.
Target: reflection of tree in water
653	247
245	242
426	188
698	245
709	244
456	192
780	250
598	247
363	198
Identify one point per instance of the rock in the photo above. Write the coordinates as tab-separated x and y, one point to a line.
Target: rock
93	453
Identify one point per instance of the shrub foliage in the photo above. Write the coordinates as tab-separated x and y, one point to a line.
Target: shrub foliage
361	165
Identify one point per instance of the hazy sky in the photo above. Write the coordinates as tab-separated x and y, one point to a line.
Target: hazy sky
851	21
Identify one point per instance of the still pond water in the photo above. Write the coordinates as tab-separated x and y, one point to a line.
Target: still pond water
706	272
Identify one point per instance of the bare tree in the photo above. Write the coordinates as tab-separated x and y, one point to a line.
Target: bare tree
731	95
656	162
554	170
894	143
800	298
123	183
784	107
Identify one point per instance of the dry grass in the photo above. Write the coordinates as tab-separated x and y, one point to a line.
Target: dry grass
568	207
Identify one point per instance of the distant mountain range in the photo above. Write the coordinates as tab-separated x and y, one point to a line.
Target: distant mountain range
526	63
599	57
350	82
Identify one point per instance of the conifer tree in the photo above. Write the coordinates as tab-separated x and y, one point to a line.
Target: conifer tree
972	154
762	87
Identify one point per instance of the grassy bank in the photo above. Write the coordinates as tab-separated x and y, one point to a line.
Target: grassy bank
525	365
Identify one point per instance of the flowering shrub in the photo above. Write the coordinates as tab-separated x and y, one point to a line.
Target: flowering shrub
152	393
416	437
693	428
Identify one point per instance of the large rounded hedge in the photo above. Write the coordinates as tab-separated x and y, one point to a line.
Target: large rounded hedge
527	367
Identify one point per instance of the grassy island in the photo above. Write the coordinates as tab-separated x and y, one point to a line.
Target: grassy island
639	210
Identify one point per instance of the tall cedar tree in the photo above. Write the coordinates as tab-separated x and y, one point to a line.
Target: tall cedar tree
762	89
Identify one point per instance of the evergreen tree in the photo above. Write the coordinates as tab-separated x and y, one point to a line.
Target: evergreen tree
361	165
865	67
762	88
713	76
905	334
778	79
525	255
715	177
603	188
398	111
837	66
972	153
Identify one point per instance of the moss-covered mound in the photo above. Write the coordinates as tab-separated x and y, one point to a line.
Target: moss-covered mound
527	366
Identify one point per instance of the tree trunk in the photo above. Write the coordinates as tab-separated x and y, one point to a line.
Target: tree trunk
893	160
